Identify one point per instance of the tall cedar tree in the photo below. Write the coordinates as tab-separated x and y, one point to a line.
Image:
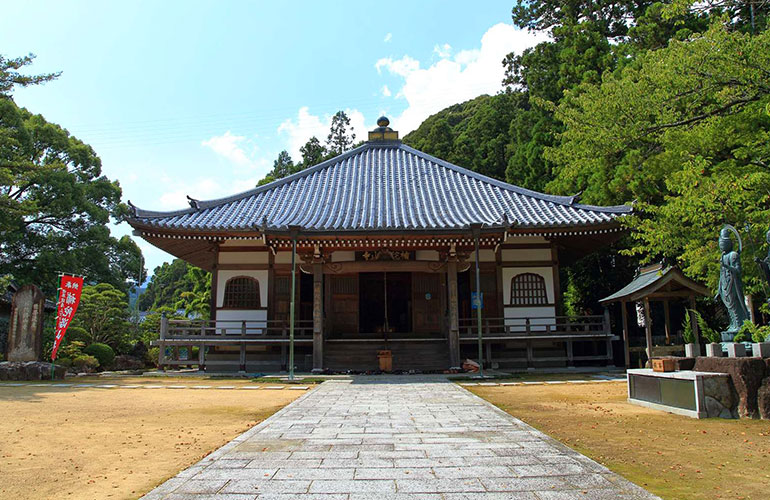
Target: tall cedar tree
54	201
341	135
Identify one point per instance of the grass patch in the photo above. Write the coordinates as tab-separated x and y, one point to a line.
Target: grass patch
672	456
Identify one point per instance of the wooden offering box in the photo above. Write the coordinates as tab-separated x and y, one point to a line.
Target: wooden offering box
663	365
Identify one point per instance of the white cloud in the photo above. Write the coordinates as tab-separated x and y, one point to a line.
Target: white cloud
230	146
402	67
308	125
443	51
468	74
202	188
385	91
388	37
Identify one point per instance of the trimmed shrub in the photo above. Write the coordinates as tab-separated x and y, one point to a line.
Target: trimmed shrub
85	363
65	362
102	352
152	356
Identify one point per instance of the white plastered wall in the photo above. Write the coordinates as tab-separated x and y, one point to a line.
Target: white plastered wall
228	318
524	254
485	255
343	256
515	315
431	255
243	258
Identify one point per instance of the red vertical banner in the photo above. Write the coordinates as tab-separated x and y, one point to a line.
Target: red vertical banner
69	298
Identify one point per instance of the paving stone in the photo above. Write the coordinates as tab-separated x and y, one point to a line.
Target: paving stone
251	486
520	495
523	483
199	496
313	474
368	486
380	438
439	485
305	496
211	473
472	472
201	486
393	473
396	496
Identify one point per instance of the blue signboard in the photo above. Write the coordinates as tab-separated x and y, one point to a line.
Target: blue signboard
476	302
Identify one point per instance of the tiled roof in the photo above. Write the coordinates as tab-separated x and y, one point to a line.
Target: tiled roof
382	186
652	279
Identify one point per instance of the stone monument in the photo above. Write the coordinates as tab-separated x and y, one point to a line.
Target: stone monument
25	333
731	283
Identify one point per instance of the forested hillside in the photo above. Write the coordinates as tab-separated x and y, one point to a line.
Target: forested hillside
665	104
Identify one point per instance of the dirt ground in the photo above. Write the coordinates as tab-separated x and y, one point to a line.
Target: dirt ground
118	443
672	456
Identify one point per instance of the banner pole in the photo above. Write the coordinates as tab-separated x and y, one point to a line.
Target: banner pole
56	322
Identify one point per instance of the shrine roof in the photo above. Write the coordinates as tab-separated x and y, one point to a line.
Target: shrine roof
656	279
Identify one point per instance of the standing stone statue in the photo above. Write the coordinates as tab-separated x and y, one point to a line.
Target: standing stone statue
25	335
731	284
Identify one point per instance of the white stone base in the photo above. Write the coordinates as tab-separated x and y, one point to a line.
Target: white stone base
692	350
760	350
736	350
714	350
700	389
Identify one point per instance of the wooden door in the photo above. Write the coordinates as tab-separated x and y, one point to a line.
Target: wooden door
489	289
427	302
343	303
282	301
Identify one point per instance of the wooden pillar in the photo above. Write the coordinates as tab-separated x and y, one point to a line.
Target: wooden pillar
667	321
242	350
556	279
454	321
626	353
648	328
318	320
530	356
162	345
694	321
570	355
214	285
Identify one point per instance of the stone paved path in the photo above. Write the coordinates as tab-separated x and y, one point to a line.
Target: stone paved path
392	438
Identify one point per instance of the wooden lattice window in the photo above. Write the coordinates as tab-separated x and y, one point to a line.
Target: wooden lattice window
528	289
241	292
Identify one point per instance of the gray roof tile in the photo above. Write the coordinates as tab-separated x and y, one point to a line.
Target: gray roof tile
382	186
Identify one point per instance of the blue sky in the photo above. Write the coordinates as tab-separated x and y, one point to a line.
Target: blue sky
200	97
